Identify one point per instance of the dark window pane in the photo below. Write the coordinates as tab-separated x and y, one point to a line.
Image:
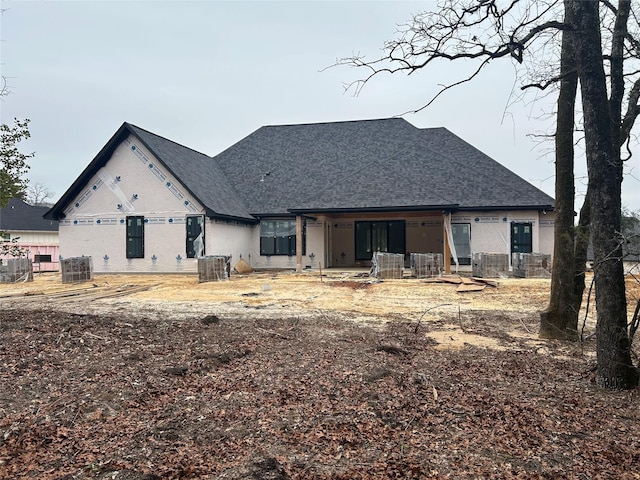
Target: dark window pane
135	237
278	237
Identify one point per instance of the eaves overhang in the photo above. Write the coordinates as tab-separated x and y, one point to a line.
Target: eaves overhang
215	215
541	208
416	208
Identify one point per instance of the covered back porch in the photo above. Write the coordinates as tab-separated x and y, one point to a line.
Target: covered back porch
349	240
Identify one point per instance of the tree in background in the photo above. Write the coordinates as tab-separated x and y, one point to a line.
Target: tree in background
13	163
38	194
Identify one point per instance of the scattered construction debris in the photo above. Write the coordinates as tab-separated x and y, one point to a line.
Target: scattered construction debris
465	284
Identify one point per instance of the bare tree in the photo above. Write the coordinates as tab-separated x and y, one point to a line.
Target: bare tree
486	30
602	129
38	194
560	319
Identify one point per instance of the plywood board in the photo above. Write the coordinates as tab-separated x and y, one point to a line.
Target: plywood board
470	287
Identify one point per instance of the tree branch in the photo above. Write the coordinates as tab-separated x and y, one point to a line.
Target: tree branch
546	84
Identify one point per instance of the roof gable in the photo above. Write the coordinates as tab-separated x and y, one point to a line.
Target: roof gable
197	172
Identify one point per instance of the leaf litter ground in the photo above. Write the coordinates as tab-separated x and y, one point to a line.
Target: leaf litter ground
279	383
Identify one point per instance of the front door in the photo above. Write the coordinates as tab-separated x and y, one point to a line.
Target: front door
521	237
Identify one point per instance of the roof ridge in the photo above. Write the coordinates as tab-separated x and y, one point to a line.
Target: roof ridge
366	120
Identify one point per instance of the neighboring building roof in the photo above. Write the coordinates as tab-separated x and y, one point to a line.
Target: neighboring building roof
20	216
367	165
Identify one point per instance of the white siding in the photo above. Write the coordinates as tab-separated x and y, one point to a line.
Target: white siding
34	237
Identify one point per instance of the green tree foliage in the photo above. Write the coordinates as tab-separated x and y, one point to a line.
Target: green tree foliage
13	163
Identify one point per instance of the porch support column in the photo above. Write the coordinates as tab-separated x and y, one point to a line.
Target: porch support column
298	243
447	249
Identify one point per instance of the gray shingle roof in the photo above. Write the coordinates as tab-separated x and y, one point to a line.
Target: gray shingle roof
371	164
18	215
479	180
367	165
197	172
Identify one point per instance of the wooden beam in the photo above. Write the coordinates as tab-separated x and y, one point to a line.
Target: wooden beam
447	250
298	243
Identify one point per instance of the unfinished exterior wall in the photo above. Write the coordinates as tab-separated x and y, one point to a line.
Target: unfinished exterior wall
133	183
343	253
491	231
230	238
423	234
314	253
546	233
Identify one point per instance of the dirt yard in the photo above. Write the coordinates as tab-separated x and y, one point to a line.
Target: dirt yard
282	375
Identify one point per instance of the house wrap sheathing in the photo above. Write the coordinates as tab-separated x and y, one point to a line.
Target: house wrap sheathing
297	196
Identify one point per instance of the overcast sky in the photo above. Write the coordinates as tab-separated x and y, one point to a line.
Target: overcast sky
206	74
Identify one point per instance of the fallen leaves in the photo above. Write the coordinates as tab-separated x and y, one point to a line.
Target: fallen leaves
126	396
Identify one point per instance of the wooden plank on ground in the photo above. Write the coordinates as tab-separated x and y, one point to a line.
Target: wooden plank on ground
470	287
455	280
491	283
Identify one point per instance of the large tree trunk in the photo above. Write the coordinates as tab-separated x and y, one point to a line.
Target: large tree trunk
581	248
560	319
615	369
